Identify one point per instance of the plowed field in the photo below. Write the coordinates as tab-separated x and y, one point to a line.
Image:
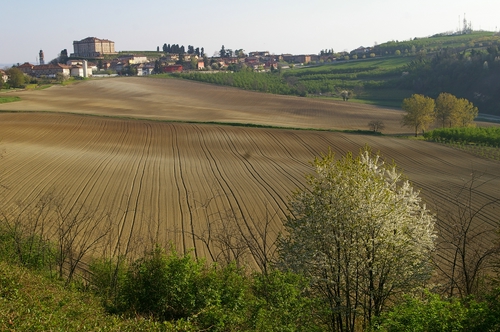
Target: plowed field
167	180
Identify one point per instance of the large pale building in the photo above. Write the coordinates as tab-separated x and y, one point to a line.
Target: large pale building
92	47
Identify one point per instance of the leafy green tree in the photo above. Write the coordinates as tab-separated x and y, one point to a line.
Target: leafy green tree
464	114
240	53
222	52
194	63
445	105
419	112
16	77
360	233
454	111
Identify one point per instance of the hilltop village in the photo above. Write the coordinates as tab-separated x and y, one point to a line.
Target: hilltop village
93	56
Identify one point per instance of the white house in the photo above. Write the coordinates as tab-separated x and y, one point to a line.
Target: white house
81	69
145	69
3	76
77	71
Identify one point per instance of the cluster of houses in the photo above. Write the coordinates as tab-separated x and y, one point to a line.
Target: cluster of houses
75	68
90	54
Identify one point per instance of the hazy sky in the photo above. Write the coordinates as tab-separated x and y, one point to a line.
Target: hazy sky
277	26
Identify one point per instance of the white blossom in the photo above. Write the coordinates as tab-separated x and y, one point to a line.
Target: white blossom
361	233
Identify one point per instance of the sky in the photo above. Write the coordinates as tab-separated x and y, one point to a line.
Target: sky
277	26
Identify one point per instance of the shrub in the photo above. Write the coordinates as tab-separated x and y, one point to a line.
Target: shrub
282	303
171	287
489	136
26	249
163	286
107	279
432	313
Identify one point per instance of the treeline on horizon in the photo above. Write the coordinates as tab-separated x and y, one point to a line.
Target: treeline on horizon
467	66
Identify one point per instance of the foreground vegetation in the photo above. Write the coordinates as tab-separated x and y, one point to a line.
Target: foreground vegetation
356	241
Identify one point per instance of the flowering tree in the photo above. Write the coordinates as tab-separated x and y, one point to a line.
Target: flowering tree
360	233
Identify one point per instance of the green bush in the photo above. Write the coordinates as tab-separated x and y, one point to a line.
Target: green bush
107	279
179	289
489	136
163	286
29	250
431	313
172	287
281	303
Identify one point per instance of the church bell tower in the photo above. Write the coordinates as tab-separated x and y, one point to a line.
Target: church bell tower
42	61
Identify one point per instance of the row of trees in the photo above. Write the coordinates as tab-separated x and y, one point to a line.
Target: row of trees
448	110
181	50
229	53
278	82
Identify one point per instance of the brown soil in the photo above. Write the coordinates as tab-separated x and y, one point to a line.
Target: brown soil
167	181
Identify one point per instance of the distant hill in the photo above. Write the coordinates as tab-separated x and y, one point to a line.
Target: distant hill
467	66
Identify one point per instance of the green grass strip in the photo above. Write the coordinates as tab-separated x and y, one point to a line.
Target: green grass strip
9	99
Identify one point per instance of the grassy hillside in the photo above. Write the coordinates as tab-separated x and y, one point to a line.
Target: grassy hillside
441	63
476	39
372	80
32	302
